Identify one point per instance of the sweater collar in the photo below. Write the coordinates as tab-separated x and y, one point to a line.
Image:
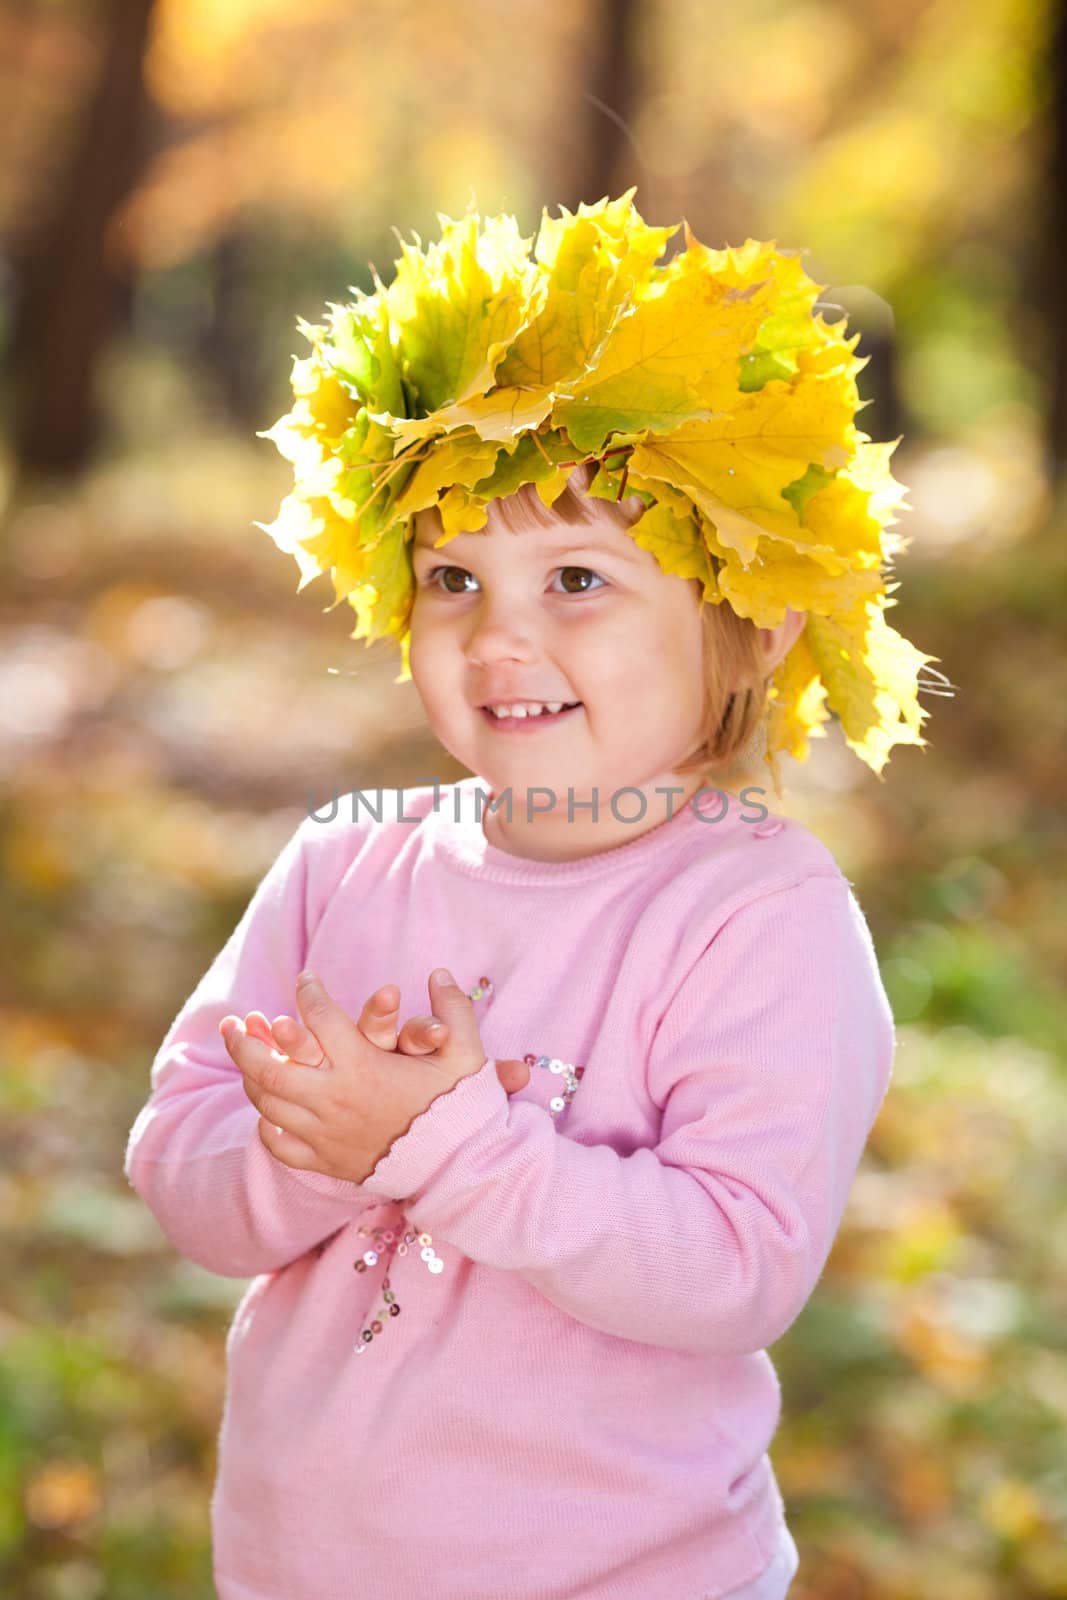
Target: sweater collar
457	826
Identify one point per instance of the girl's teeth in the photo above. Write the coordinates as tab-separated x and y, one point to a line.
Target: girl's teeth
533	710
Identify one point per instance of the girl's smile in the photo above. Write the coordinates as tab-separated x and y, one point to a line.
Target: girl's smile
529	722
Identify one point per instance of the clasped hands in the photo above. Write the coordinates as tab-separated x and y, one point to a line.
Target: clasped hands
334	1094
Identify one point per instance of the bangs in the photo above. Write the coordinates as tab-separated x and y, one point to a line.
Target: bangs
524	510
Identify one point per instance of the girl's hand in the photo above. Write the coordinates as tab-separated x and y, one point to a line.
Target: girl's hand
377	1022
342	1120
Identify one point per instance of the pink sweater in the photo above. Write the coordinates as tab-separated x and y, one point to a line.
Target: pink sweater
527	1356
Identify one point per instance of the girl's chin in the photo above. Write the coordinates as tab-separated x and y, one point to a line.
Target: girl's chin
527	769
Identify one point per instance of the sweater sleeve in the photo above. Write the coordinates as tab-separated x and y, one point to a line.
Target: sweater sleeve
770	1064
194	1154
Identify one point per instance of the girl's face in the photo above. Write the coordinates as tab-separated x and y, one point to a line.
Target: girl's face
568	613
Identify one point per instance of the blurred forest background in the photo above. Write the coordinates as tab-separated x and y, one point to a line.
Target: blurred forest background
180	180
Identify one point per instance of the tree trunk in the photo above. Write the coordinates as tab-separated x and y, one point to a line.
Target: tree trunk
1050	329
68	289
227	339
606	163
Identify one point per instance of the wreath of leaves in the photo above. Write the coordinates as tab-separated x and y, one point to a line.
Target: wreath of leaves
709	386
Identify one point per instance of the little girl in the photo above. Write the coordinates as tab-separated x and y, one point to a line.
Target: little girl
516	1263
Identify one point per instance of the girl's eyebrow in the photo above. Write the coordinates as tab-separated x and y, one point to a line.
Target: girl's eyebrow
624	551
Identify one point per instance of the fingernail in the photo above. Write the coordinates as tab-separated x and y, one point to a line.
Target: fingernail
442	976
435	1027
306	977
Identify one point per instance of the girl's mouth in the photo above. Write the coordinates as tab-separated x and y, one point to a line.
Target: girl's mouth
528	724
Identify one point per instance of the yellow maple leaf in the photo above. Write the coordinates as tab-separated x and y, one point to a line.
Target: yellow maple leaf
328	404
779	577
797	697
675	540
460	512
462	459
593	260
736	465
458	306
501	415
311	531
384	606
871	674
674	356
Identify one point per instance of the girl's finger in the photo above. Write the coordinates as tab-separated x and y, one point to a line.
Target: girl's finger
420	1035
294	1040
514	1075
377	1020
257	1025
298	1122
287	1147
267	1081
333	1027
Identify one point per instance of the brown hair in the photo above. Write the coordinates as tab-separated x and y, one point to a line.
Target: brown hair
735	685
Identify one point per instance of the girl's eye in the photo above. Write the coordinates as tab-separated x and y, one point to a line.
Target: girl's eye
585	571
432	576
435	572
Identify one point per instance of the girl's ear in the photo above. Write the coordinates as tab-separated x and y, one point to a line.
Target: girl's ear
777	642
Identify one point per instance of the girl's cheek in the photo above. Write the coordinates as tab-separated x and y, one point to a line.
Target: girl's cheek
427	619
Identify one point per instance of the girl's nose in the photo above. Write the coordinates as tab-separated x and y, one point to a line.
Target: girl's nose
497	637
